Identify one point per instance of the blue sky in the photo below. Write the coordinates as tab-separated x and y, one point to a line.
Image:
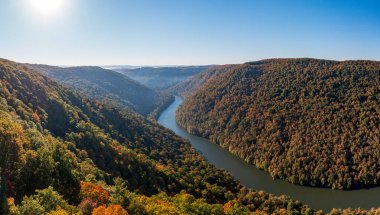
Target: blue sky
189	32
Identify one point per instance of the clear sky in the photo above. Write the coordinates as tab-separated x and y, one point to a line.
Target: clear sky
187	32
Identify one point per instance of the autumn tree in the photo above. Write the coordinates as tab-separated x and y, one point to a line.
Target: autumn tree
110	210
94	192
87	206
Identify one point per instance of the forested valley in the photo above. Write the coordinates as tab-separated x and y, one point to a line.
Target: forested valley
65	151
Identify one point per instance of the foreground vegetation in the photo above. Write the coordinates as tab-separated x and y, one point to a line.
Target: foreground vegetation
309	122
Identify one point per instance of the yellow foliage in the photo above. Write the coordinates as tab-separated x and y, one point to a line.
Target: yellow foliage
157	206
185	197
59	211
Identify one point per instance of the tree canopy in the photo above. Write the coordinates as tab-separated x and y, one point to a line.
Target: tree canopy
310	122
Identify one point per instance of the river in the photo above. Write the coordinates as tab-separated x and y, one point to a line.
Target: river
317	198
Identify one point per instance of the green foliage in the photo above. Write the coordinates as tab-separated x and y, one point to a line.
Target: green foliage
310	122
178	204
52	164
50	199
31	206
42	202
120	194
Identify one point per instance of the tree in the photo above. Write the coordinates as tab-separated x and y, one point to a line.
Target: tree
120	195
110	210
94	192
31	206
234	208
59	211
12	208
50	199
45	200
87	206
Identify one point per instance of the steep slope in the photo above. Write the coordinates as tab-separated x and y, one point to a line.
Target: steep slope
107	86
191	85
310	122
52	139
161	78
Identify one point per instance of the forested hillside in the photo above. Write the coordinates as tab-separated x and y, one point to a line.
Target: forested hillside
107	86
309	122
161	78
62	153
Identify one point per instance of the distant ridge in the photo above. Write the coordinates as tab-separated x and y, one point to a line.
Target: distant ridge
107	86
161	78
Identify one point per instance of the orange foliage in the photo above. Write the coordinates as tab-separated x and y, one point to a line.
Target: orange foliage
160	167
228	206
36	118
94	192
111	210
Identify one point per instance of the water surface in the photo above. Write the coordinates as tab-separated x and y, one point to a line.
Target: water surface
251	177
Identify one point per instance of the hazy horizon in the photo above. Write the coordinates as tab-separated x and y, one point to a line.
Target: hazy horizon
120	66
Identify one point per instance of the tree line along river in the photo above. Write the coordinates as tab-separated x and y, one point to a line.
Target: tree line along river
251	177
